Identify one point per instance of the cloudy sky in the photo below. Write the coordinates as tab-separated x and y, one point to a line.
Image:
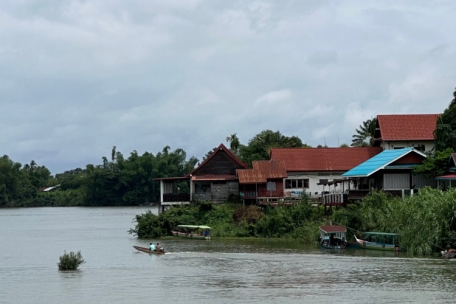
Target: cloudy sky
79	77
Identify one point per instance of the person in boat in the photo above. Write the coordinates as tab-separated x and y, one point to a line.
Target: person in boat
158	247
152	247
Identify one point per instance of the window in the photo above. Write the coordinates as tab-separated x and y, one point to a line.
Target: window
296	183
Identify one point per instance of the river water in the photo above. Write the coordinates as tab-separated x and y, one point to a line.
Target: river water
197	271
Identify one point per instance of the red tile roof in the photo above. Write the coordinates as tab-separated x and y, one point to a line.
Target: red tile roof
322	159
407	127
333	229
262	171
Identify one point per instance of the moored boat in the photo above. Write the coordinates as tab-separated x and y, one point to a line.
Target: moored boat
333	237
449	254
147	250
202	232
379	241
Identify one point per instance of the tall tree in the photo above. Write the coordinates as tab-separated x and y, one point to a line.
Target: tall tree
234	142
365	135
260	145
445	131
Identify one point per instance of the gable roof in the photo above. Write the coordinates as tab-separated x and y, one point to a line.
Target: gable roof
262	171
215	152
407	126
322	159
380	161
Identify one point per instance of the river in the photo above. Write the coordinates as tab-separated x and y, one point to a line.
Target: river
197	271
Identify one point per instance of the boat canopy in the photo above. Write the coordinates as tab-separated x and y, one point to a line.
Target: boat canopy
194	226
333	229
381	233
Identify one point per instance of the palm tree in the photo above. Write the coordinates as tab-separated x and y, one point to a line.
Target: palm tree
365	134
234	143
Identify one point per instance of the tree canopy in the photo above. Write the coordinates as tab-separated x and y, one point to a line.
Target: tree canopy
445	132
260	145
365	134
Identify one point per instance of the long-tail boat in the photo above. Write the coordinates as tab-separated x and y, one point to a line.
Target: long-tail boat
379	241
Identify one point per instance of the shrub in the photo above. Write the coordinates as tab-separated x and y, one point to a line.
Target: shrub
70	261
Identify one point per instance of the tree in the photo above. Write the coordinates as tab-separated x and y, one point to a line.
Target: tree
234	142
435	164
445	131
260	145
365	135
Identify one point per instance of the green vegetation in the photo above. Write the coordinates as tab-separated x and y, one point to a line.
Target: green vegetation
365	135
117	181
426	221
299	221
445	132
70	261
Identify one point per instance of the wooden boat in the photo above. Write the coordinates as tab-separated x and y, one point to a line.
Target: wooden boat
449	254
333	237
379	241
193	231
147	250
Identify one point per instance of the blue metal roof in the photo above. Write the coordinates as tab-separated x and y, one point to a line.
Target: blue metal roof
378	162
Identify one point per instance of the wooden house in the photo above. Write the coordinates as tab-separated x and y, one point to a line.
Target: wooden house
264	182
406	130
390	171
214	180
448	180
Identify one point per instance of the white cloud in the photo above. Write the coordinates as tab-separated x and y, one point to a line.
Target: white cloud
273	97
78	77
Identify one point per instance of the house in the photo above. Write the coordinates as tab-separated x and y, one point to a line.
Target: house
214	179
390	170
406	130
309	170
264	182
447	181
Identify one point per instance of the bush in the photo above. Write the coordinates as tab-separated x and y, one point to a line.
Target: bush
70	261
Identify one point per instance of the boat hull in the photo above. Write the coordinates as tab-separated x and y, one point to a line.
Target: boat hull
190	235
147	250
376	246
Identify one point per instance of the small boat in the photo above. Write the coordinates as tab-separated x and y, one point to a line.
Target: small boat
193	231
379	241
147	250
449	254
333	237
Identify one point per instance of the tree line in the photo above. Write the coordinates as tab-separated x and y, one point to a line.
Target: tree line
118	180
130	181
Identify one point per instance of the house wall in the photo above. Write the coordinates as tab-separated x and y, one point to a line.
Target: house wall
221	163
314	178
218	192
389	145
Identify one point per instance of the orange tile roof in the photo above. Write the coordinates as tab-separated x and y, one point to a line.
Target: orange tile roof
262	171
322	159
407	126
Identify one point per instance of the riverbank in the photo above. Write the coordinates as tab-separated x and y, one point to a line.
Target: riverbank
426	221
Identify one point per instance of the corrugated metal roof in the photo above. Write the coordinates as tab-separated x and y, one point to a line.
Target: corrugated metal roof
379	161
322	159
213	177
262	171
407	127
333	229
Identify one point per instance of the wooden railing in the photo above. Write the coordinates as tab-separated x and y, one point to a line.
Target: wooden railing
334	199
